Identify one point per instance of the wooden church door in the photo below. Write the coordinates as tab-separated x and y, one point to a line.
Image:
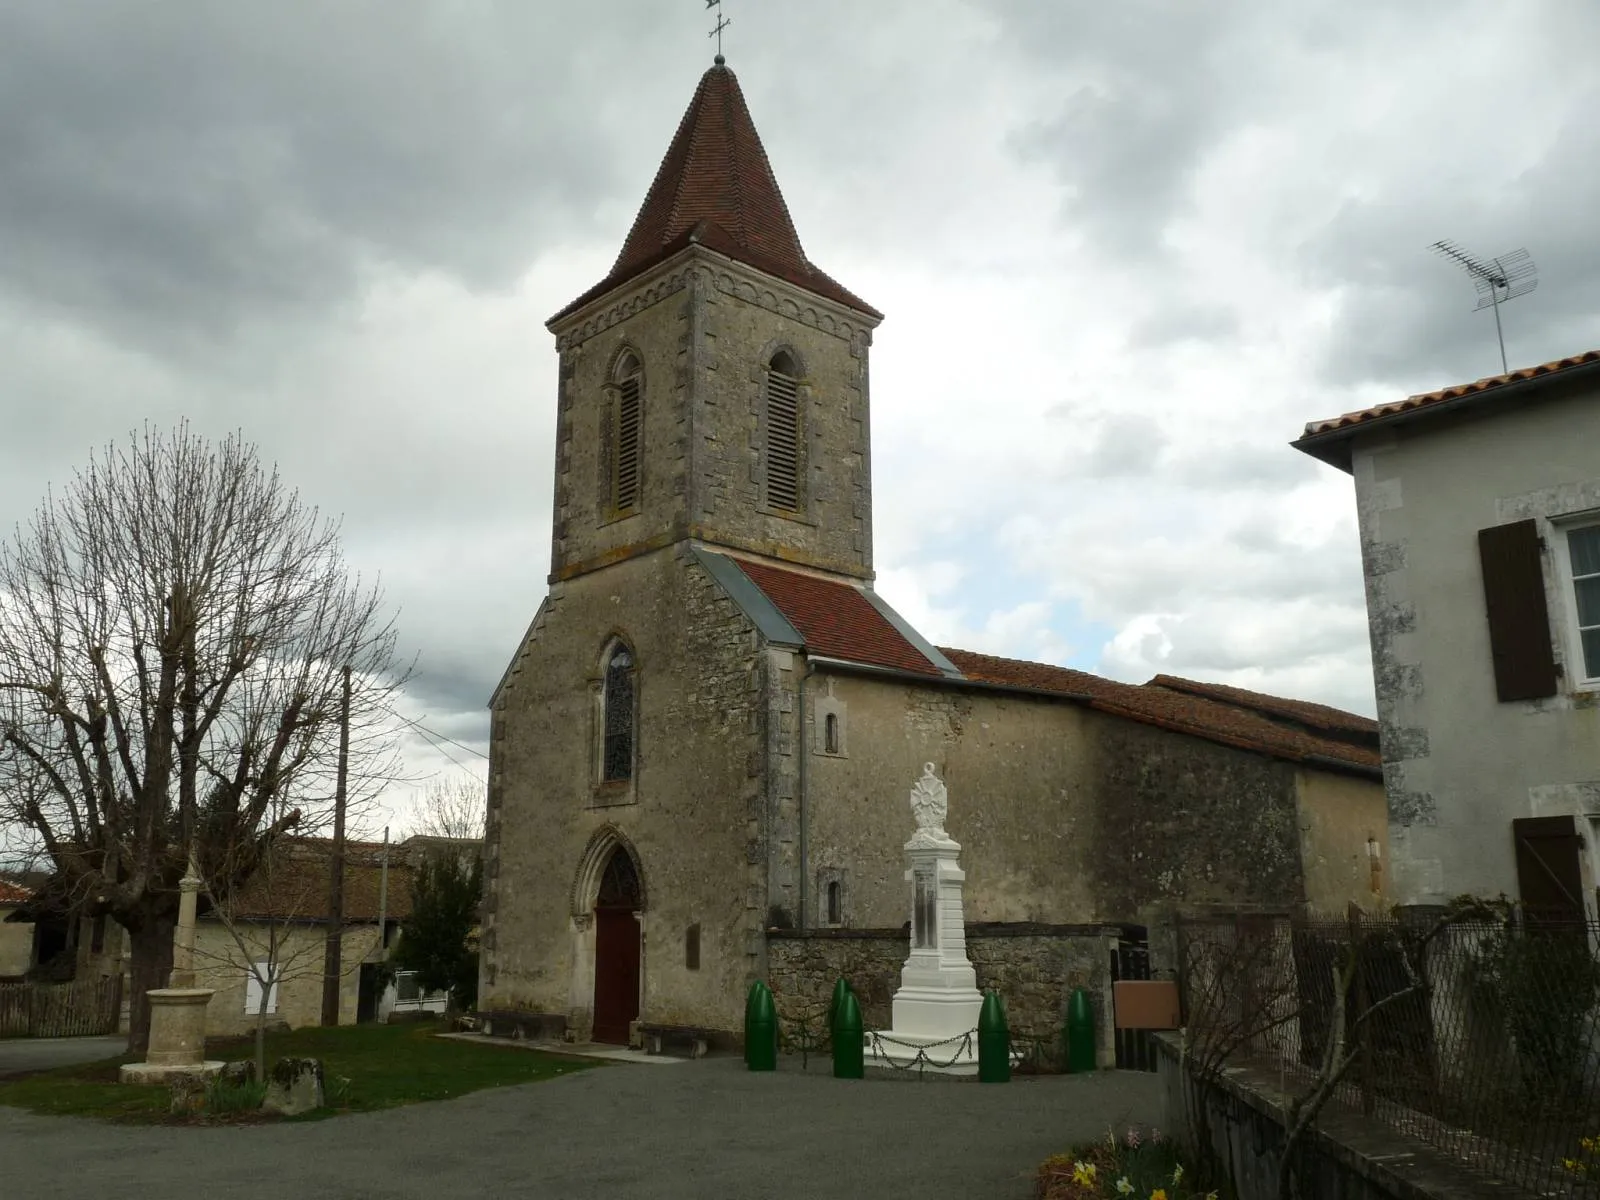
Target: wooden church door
616	950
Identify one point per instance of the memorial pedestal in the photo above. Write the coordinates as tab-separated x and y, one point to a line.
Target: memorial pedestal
937	1004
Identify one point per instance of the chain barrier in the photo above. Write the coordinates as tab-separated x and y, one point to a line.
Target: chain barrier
922	1060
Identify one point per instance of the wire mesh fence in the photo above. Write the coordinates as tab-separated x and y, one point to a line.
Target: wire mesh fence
1475	1030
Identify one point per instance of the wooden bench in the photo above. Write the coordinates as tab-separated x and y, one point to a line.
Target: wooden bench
657	1039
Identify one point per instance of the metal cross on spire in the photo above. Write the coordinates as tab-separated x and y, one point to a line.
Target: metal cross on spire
722	23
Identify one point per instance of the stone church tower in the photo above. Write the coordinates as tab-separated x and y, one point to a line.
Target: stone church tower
713	398
699	753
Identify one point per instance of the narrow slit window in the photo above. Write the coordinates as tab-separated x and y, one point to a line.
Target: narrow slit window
830	733
784	461
617	754
835	904
691	948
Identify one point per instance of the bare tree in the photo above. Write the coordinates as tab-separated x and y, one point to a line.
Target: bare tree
173	628
452	807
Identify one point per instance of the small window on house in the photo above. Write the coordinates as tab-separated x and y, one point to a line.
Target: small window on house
835	904
1583	562
617	703
830	734
785	462
258	971
691	947
626	419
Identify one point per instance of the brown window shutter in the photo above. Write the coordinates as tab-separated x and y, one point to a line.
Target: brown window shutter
1519	623
1549	878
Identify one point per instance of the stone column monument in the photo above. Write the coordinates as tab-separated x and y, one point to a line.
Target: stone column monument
177	1011
938	999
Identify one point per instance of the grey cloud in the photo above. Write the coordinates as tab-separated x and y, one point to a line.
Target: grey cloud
178	169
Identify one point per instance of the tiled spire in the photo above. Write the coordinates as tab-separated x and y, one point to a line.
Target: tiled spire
716	187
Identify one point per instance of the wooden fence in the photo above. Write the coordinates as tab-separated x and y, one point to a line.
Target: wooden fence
81	1008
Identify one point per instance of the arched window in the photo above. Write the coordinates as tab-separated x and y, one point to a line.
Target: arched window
785	458
830	733
835	904
617	703
626	419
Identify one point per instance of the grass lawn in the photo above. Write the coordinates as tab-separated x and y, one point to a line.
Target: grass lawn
386	1065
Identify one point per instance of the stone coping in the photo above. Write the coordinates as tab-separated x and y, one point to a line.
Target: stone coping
982	929
1397	1165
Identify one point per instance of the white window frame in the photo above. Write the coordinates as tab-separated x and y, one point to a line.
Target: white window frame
1573	641
252	987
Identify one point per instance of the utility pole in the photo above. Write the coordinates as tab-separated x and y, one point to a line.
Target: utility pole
330	958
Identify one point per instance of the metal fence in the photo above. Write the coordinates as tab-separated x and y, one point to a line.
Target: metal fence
1477	1032
79	1008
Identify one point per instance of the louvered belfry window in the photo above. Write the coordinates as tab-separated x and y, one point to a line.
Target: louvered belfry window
617	753
785	465
625	443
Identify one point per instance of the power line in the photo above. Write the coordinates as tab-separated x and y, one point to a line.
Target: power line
442	738
426	732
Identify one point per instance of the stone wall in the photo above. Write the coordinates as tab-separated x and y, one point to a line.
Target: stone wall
1347	1156
1034	968
693	816
1065	815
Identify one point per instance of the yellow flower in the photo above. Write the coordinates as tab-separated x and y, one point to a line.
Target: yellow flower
1590	1144
1123	1186
1570	1164
1159	1194
1083	1173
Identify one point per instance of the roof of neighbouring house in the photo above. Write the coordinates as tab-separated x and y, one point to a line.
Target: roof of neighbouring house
293	886
1320	717
715	188
1294	730
12	893
1329	440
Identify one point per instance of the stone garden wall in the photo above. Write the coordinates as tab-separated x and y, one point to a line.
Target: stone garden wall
1034	968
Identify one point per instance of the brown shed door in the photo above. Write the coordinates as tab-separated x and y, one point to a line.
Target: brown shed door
1549	878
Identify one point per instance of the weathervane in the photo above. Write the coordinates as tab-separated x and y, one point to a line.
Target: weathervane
722	23
1498	280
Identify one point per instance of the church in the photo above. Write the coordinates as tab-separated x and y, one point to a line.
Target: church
702	749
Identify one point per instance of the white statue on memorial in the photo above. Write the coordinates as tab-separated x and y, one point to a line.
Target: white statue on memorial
930	801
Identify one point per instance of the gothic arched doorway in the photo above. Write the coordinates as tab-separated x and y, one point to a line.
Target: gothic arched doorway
616	949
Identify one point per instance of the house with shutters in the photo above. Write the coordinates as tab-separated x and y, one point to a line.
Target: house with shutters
701	752
1479	514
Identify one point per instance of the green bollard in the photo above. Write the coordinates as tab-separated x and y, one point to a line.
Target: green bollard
760	1029
1080	1033
849	1058
840	991
994	1041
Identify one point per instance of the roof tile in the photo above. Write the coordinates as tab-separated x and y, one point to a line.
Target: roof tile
1246	727
1350	420
12	893
715	188
836	619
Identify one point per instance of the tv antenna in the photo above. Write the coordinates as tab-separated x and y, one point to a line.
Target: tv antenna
1497	280
722	23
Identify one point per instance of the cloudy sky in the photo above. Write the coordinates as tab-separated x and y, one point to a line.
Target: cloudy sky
1126	251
